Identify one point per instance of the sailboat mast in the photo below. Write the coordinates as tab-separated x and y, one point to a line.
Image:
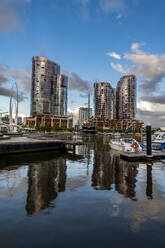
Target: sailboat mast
89	106
16	109
10	111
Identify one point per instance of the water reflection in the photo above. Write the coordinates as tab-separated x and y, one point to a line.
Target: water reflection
108	169
103	195
125	179
103	171
149	181
45	180
45	174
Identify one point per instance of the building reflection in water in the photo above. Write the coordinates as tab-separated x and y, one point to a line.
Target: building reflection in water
125	178
103	171
109	170
45	180
103	167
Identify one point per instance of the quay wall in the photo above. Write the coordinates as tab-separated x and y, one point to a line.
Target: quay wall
30	146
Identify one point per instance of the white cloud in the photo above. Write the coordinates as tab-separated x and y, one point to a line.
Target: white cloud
144	106
114	55
75	113
135	46
118	67
149	67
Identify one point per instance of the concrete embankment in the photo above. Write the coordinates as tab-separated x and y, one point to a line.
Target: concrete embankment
30	146
40	143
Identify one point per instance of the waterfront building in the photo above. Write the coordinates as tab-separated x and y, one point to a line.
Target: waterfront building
49	88
126	98
103	100
117	125
83	115
49	121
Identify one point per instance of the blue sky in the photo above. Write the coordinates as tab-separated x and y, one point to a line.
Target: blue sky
96	40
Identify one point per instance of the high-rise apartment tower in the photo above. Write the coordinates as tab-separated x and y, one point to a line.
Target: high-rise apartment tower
103	100
49	88
126	98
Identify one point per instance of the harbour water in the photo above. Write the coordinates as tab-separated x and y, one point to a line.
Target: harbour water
93	199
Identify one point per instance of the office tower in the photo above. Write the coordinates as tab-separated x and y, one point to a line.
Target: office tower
126	98
49	88
83	115
103	100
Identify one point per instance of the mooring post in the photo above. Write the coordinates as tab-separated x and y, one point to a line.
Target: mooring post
149	140
63	147
74	149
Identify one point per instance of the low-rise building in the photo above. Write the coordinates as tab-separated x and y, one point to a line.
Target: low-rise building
117	125
47	120
83	115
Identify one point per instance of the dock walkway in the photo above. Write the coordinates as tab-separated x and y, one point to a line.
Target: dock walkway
141	156
20	145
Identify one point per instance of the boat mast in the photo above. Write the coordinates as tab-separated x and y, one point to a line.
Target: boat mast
10	113
16	108
89	106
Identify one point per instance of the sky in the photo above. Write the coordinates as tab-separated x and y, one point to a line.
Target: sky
92	40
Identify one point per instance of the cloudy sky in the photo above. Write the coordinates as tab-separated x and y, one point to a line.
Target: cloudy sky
92	40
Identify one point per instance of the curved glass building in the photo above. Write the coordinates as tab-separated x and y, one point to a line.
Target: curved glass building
49	88
126	98
104	100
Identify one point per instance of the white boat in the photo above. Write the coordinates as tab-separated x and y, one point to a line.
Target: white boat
123	146
159	138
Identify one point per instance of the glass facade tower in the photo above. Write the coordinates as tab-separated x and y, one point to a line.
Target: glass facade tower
104	100
126	98
49	88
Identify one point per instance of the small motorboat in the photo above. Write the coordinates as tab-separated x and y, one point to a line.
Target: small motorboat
117	135
158	139
123	146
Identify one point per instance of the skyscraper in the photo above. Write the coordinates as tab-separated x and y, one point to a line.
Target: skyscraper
84	114
103	100
126	98
49	88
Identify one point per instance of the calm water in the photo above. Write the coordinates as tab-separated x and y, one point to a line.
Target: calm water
93	199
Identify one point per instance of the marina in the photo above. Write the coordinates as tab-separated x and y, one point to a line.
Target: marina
82	124
92	194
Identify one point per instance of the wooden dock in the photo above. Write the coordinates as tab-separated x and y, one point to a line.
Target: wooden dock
141	156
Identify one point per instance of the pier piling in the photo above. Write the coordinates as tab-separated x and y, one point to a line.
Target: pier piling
149	141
